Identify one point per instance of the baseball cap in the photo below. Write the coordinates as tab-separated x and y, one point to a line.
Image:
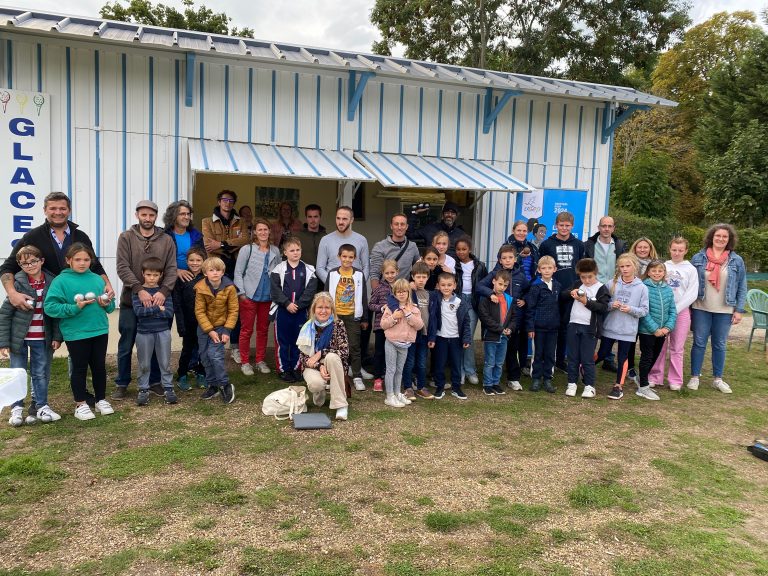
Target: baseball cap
146	204
451	207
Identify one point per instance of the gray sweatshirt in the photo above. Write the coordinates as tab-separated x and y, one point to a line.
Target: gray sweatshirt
328	253
620	325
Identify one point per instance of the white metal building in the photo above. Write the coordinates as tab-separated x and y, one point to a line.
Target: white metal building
140	112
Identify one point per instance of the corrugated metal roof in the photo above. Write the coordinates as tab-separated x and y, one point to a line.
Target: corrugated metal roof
185	40
272	160
409	171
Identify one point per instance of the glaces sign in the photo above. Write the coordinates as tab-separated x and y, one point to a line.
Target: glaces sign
25	163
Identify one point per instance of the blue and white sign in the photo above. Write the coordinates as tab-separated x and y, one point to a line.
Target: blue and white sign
25	163
544	206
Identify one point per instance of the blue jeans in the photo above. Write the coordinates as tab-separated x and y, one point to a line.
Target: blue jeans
494	355
468	359
416	360
40	357
447	351
212	355
706	324
126	325
156	345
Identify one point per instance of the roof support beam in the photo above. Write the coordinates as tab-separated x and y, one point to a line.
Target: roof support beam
491	111
189	89
356	89
622	115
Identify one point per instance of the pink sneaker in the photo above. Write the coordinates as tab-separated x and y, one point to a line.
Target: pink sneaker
378	385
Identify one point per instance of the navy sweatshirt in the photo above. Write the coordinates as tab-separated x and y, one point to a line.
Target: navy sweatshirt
150	319
566	254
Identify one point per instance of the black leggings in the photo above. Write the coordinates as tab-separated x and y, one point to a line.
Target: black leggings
85	353
650	349
622	356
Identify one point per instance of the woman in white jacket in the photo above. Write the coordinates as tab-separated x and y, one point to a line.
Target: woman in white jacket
684	281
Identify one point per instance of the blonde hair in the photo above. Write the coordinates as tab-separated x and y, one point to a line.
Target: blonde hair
441	234
321	296
213	263
401	285
389	263
653	255
547	260
623	258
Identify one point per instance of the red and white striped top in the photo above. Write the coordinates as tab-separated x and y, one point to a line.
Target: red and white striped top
37	326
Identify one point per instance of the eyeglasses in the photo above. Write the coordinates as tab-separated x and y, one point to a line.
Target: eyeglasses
29	263
228	200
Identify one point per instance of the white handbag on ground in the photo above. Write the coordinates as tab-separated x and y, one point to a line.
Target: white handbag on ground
284	403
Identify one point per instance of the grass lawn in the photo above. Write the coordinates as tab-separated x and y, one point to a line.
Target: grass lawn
528	484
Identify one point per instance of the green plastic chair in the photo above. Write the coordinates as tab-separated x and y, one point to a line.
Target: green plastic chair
758	302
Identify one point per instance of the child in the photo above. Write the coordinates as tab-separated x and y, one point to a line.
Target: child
401	321
427	303
293	286
216	310
469	271
252	280
543	322
517	347
589	301
448	334
85	327
376	304
684	281
31	336
347	285
186	323
441	241
497	324
629	302
153	333
431	257
656	325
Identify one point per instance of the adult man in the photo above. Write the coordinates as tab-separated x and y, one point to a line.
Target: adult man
604	247
447	224
139	242
53	238
222	233
311	233
178	225
328	250
394	247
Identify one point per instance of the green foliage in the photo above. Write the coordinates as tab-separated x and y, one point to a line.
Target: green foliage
201	19
642	186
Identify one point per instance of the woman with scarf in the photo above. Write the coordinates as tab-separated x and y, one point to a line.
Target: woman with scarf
324	354
720	304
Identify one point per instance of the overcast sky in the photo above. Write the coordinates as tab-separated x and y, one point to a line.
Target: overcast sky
341	24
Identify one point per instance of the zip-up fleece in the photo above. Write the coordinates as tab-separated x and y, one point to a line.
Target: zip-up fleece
622	325
662	312
361	294
403	329
491	323
78	323
436	320
133	249
542	306
479	272
219	310
277	279
378	302
184	304
14	323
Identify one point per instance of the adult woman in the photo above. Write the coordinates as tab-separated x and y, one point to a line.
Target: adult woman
246	216
539	234
527	253
178	225
285	225
645	251
720	303
324	354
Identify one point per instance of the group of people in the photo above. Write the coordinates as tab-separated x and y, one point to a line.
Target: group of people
241	273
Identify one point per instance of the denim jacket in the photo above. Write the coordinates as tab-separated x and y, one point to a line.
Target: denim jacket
736	284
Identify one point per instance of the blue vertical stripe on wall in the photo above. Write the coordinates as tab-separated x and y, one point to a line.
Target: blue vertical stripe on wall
39	67
68	60
360	124
562	147
202	103
439	119
578	147
610	164
274	104
9	63
458	124
594	161
421	115
546	146
492	195
250	104
528	152
176	114
400	124
226	102
493	143
508	207
381	114
338	120
295	108
477	124
317	113
124	86
151	126
97	120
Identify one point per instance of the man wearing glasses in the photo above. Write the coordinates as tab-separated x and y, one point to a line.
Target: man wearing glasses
53	238
139	242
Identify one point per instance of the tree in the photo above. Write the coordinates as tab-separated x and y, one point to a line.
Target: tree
642	187
201	19
583	39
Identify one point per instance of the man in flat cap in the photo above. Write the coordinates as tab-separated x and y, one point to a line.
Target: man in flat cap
448	225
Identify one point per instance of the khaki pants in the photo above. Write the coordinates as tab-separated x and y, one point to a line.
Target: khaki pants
317	384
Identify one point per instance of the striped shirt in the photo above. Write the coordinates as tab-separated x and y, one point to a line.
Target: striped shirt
36	329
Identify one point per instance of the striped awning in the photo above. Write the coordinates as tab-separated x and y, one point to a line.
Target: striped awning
409	171
271	160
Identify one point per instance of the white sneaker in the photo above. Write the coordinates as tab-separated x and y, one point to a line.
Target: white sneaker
473	379
654	384
589	392
365	374
393	402
359	385
632	375
83	412
647	393
236	355
342	413
571	389
515	385
246	369
262	367
404	400
17	416
719	384
45	414
693	383
104	408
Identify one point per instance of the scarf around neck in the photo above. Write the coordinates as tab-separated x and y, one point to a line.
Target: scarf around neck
714	266
308	342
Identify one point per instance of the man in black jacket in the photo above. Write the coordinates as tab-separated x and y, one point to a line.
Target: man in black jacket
448	224
53	238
